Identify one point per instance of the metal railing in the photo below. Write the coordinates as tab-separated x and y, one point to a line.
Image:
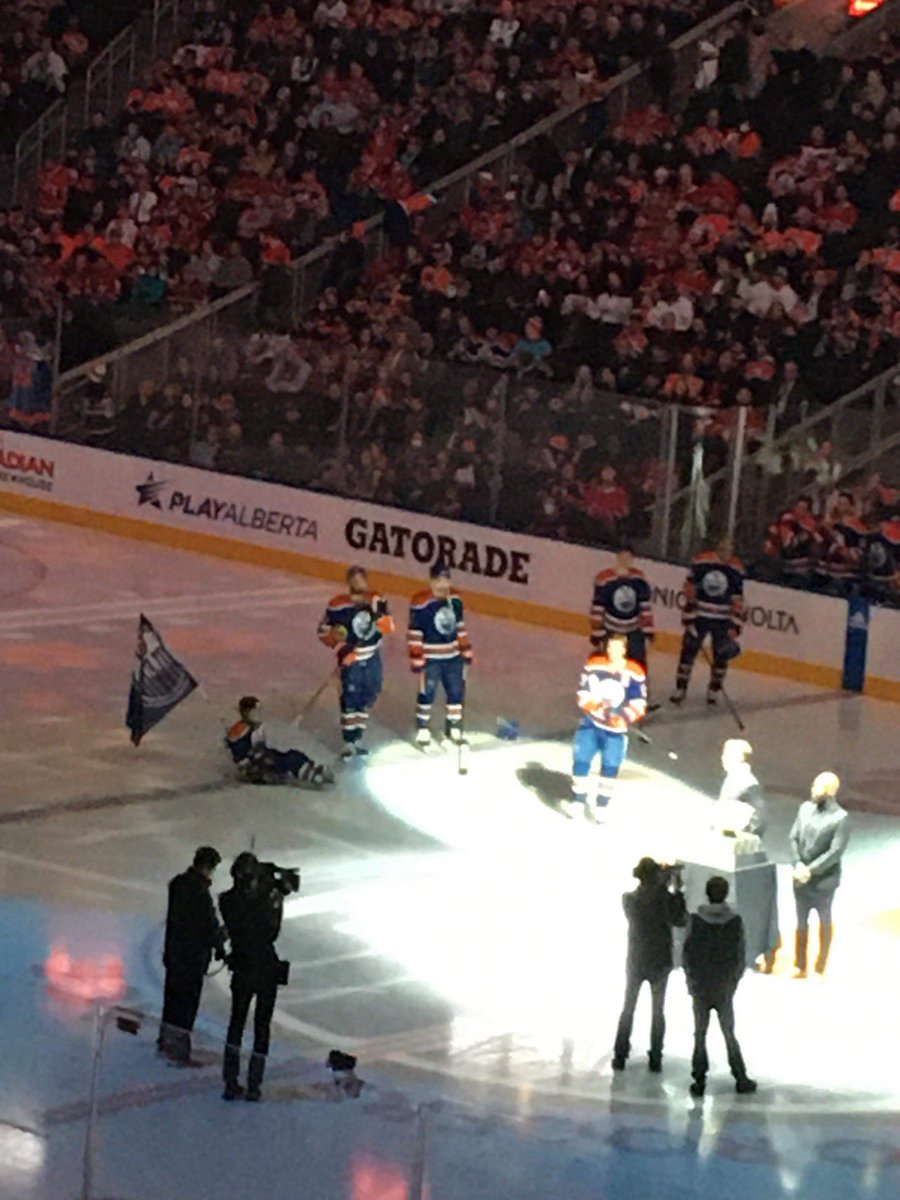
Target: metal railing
810	457
104	86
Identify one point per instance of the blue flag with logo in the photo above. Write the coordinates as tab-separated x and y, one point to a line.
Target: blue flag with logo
158	683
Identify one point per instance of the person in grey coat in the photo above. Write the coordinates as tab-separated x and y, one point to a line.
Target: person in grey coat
819	837
714	960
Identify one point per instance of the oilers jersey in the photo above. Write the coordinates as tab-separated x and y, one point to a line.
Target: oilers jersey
714	590
437	629
610	698
883	552
793	541
244	739
365	619
841	556
621	604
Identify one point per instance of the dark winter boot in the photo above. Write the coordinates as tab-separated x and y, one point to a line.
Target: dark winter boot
231	1069
255	1076
801	941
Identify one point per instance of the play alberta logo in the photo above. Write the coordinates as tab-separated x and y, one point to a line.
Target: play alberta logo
167	497
150	491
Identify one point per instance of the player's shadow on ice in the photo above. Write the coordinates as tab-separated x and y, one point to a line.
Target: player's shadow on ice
550	787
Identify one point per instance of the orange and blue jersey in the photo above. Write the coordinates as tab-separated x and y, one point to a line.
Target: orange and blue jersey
714	590
243	738
794	541
883	552
612	698
437	630
366	619
621	604
844	539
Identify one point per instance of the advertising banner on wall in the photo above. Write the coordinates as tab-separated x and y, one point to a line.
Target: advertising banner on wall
510	574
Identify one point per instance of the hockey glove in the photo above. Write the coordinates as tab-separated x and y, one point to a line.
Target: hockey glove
336	637
346	656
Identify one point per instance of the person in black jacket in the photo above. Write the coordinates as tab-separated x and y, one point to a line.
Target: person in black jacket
819	836
252	914
652	909
193	932
714	960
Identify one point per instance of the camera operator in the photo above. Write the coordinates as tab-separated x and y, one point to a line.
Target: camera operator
653	909
252	911
193	932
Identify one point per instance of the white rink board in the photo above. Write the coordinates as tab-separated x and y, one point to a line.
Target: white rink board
549	575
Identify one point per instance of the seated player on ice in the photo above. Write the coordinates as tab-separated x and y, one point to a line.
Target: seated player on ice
257	762
613	697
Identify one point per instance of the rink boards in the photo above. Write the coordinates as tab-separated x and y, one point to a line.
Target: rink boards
541	581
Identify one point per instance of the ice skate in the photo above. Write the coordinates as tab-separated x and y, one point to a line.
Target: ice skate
678	696
361	750
712	698
423	739
348	753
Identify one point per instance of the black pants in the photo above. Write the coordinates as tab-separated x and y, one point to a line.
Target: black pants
718	633
723	1005
244	990
181	1000
811	897
635	981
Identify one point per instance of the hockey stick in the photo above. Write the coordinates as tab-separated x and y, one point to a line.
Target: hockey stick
462	747
648	741
730	704
314	698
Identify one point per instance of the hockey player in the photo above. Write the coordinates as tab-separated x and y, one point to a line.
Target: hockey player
622	603
714	608
843	537
354	623
883	560
613	697
439	652
793	544
258	762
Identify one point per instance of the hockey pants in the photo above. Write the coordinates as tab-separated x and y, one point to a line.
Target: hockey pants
449	673
591	740
360	688
722	652
289	762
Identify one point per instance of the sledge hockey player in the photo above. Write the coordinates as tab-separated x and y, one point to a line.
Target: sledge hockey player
354	623
439	652
613	697
714	608
257	762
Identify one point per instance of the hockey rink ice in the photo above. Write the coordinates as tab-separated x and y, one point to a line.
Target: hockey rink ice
459	935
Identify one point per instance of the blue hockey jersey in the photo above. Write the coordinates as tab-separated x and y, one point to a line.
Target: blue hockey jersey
714	590
354	626
612	699
437	629
621	604
883	552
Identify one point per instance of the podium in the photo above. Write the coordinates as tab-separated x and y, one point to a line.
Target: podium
753	891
